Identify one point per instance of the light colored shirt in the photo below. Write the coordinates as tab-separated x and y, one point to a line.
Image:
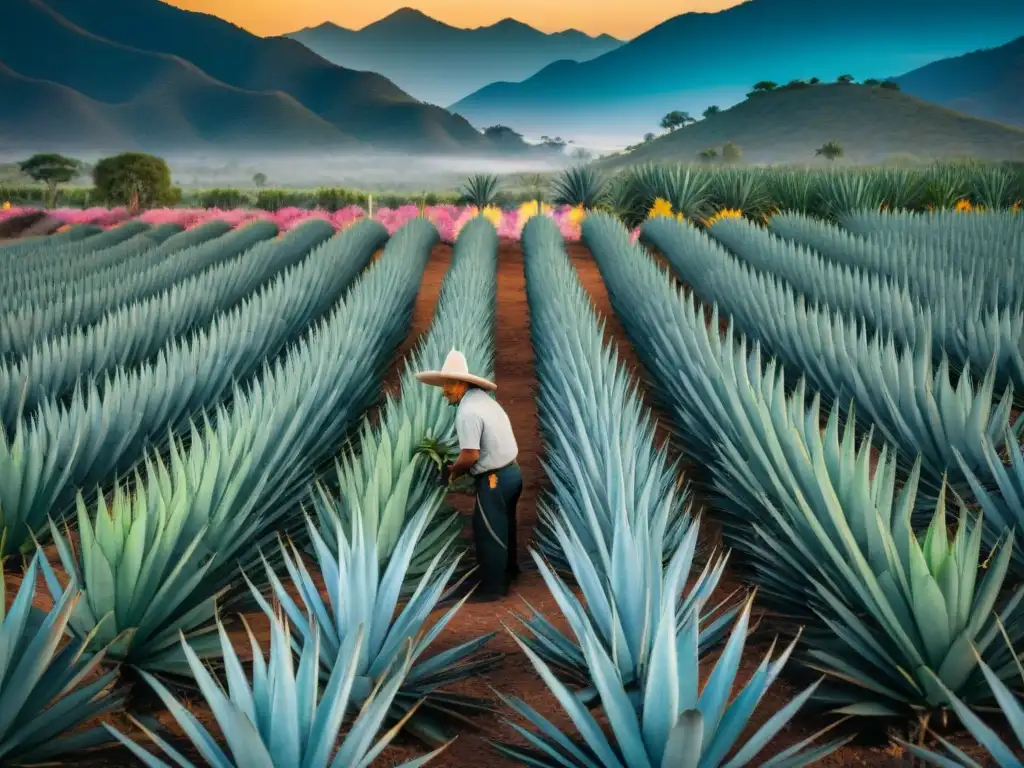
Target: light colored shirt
482	425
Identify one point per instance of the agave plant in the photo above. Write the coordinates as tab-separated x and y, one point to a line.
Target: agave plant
1004	755
580	186
283	718
667	722
622	599
687	190
42	697
360	593
480	190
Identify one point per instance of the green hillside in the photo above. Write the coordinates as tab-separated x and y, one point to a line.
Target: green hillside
871	124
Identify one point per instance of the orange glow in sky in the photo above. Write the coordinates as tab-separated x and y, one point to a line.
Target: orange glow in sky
614	17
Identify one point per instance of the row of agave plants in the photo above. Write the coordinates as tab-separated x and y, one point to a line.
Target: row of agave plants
903	626
214	525
635	193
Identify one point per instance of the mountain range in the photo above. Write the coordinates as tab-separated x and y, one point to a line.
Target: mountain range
698	59
987	83
871	123
439	63
122	74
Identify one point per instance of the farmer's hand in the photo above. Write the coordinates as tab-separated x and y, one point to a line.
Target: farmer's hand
445	478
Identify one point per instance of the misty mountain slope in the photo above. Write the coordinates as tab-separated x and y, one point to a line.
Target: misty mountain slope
148	99
987	83
361	104
440	64
697	59
869	122
37	113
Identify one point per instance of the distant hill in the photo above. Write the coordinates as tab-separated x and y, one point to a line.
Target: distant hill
161	76
698	59
870	123
440	64
987	83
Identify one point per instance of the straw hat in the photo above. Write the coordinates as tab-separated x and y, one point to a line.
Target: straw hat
455	368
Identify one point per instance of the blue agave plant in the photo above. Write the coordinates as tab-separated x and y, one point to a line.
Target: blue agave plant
362	592
282	719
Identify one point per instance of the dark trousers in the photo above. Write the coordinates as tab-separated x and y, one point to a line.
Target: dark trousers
494	527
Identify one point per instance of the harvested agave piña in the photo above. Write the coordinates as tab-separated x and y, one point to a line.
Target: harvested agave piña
284	718
361	591
154	561
42	696
384	470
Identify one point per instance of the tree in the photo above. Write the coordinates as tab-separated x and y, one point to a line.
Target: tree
707	155
649	137
259	180
134	179
830	150
764	86
51	170
712	110
553	143
675	119
580	153
502	132
814	81
872	81
844	79
892	85
731	153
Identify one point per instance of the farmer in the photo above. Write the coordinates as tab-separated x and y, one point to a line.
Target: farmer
487	451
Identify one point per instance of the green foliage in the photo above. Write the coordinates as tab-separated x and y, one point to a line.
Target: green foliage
259	180
712	110
707	155
675	119
731	153
136	180
830	150
763	86
225	199
481	190
581	185
51	170
844	79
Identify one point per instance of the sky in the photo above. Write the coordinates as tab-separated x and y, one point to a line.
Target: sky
620	19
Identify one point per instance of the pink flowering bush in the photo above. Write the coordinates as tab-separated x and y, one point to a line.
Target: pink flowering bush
448	219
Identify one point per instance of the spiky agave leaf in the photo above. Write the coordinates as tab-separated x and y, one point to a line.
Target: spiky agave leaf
669	723
43	695
1003	505
283	717
621	601
580	186
384	470
1003	754
362	592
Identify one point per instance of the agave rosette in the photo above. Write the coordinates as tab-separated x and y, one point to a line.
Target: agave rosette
43	690
284	716
915	406
669	722
600	452
106	428
384	471
806	509
153	563
361	591
622	600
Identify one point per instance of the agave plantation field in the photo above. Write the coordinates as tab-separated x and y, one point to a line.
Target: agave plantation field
772	457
